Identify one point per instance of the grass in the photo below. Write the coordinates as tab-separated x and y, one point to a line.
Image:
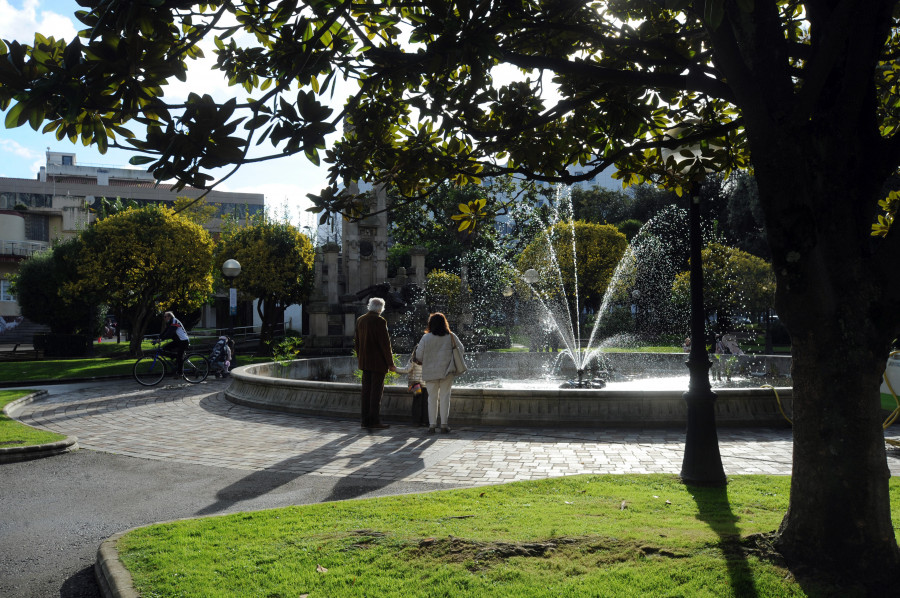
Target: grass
761	348
63	369
13	433
112	360
609	536
644	349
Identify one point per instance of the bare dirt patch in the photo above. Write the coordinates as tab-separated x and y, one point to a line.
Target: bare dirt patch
485	554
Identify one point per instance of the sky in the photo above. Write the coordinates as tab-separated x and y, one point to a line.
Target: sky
284	182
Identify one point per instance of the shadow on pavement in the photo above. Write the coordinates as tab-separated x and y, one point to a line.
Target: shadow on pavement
81	585
362	481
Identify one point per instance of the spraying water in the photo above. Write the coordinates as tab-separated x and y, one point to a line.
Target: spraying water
644	264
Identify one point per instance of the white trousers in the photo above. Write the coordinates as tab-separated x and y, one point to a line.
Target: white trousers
439	391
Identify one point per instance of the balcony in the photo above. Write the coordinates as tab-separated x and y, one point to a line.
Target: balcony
21	249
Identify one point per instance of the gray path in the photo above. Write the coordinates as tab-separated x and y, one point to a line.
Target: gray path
183	451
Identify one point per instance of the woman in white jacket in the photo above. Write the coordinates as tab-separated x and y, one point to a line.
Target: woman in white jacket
435	352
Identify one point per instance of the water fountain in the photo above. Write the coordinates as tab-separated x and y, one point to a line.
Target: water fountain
561	303
326	386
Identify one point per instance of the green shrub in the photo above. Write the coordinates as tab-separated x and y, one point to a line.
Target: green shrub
286	348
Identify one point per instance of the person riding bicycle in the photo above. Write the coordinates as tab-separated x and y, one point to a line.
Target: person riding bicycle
174	329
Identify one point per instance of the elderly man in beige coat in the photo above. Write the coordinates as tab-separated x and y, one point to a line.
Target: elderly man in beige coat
375	357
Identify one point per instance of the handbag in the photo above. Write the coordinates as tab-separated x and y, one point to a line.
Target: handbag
457	366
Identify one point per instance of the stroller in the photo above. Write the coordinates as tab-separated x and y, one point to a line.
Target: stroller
221	356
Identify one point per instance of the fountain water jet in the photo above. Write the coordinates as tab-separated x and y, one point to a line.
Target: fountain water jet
562	305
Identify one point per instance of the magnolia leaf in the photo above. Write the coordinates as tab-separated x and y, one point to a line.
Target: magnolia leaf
12	117
713	13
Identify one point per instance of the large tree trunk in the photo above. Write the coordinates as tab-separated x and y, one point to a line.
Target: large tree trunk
839	517
138	317
836	303
269	311
820	161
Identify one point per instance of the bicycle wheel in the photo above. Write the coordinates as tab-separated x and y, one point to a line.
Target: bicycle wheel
149	370
195	368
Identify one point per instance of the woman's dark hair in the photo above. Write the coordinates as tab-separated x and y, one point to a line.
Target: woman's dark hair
437	324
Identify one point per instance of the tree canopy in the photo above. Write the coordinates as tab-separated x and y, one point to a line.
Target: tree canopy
597	251
429	225
276	267
804	92
734	282
142	262
442	292
39	289
195	210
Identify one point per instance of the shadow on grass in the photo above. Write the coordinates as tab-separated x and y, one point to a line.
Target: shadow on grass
715	510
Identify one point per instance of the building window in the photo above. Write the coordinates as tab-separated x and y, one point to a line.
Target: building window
67	160
37	227
5	295
9	200
36	200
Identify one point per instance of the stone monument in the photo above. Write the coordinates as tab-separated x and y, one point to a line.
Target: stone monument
347	274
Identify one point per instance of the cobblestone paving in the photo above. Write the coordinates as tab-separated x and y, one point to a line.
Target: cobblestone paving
196	424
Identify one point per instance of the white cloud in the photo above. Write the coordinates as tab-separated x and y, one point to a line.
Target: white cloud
21	20
12	147
202	77
9	146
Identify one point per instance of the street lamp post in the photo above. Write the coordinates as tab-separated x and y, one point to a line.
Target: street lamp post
702	464
230	270
531	276
507	294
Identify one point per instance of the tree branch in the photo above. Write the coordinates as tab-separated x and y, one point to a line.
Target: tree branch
840	36
689	82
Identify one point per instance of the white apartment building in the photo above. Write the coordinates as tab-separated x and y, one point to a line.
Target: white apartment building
56	205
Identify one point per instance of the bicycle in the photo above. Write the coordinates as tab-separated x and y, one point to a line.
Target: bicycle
149	370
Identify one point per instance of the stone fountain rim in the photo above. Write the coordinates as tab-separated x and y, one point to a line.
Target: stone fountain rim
245	373
555	408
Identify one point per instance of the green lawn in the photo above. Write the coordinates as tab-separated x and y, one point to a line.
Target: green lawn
604	536
12	433
63	369
114	364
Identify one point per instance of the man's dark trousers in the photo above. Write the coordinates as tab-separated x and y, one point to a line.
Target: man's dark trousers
372	389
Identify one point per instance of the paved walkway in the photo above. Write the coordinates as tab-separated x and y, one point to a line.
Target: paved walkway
195	424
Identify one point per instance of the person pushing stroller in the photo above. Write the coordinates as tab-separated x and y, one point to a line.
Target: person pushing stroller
220	357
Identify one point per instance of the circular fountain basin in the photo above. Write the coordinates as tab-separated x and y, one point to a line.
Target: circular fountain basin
307	386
